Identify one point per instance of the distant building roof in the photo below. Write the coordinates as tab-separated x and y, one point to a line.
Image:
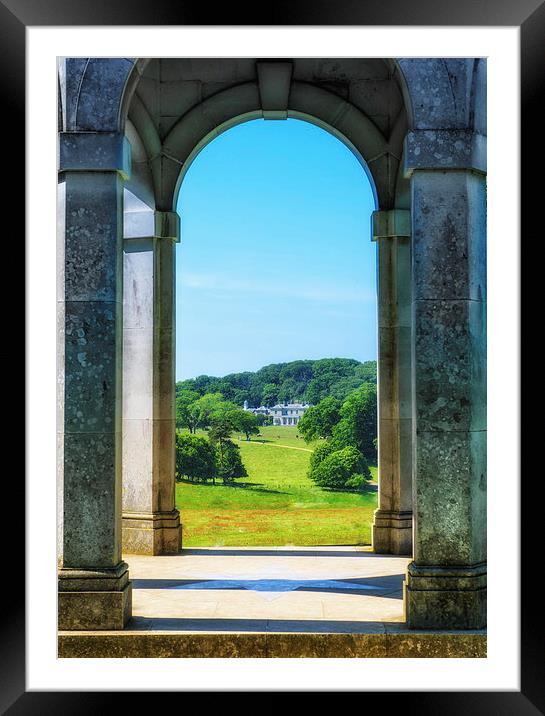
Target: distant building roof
290	405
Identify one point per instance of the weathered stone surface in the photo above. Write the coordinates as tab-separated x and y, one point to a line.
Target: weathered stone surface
449	453
91	239
392	532
392	525
391	224
438	90
396	460
95	598
394	348
94	589
91	367
152	533
92	497
165	645
449	239
457	645
93	151
445	598
92	92
444	149
94	579
450	498
149	398
450	365
392	644
94	610
478	99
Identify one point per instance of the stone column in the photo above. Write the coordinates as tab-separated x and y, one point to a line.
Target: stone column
151	522
392	527
446	582
94	587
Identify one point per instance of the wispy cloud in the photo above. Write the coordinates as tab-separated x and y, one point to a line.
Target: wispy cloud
284	287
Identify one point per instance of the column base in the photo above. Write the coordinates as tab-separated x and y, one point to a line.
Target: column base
151	533
94	599
445	597
392	532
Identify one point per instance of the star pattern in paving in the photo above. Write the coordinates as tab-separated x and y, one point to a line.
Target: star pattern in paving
273	588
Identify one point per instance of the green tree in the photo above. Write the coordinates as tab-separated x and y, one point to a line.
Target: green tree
319	420
269	395
367	371
203	409
246	422
228	460
339	467
290	390
184	418
195	458
319	454
358	424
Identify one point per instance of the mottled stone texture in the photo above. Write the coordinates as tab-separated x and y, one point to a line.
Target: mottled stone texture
89	418
439	91
445	149
89	151
446	583
151	523
392	525
394	643
91	91
94	598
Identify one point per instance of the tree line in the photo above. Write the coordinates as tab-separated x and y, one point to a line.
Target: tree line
347	429
306	381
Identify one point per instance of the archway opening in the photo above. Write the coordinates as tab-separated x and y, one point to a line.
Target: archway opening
276	341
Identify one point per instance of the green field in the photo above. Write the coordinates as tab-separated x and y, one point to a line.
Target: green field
276	504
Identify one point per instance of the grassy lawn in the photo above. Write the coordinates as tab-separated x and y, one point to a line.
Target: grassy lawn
276	504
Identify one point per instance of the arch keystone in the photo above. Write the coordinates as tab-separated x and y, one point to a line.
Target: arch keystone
274	79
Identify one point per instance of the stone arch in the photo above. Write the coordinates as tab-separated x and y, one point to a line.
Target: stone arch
317	100
186	159
432	141
171	159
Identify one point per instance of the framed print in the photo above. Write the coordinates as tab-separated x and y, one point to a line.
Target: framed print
130	495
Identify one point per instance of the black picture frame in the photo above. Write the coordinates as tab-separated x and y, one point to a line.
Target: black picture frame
529	15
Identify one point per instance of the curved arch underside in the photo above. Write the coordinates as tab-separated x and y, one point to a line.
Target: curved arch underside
179	105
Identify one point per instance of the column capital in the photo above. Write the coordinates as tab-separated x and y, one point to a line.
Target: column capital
390	224
443	149
94	152
167	225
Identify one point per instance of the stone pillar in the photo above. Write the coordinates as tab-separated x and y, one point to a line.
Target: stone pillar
151	522
446	583
94	587
392	527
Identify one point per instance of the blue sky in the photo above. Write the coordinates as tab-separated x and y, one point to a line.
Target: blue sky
275	262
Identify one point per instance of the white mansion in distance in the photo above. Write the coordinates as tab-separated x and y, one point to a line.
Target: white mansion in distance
282	414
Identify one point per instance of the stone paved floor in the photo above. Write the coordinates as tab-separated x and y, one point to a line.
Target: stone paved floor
275	589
